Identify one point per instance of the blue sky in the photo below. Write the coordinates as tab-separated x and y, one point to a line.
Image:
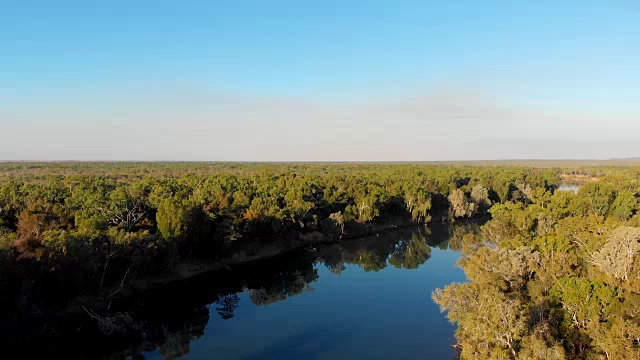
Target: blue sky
68	62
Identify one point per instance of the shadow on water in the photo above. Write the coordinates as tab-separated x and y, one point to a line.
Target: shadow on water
167	319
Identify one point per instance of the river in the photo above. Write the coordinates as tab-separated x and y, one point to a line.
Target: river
363	298
569	187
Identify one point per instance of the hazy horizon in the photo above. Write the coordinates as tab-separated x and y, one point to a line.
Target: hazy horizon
377	81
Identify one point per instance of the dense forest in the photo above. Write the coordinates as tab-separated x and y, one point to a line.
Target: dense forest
552	274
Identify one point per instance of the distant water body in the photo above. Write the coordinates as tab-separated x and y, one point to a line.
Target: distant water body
571	187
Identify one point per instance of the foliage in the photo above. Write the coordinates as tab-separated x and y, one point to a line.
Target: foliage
553	275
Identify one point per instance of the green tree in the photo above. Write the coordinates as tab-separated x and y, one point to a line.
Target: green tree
172	217
461	206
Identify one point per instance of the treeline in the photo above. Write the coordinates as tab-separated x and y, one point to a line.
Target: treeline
554	276
75	228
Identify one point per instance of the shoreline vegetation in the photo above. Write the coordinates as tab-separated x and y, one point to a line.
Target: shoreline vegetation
79	236
554	277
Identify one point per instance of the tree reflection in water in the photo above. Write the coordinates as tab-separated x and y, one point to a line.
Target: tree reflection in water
172	316
227	305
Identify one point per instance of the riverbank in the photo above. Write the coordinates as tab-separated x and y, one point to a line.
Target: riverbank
244	256
108	315
256	303
577	178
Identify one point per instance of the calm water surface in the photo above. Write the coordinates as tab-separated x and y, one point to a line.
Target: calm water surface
364	298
